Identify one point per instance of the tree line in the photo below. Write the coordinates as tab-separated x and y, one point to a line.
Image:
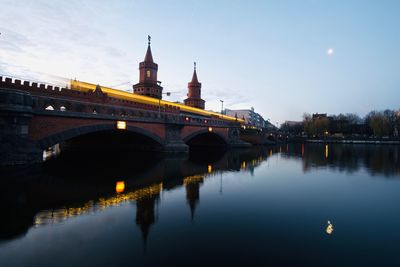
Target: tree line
375	124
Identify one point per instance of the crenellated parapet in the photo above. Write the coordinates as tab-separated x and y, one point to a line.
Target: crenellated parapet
7	82
51	95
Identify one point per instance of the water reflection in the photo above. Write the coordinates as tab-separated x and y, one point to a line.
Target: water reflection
329	228
192	186
180	198
120	187
56	192
377	160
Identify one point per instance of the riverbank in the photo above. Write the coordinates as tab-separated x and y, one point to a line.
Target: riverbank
348	141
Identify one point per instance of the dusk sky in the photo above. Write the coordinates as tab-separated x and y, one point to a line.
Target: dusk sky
283	58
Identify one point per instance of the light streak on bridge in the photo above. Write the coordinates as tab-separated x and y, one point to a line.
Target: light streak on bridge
86	87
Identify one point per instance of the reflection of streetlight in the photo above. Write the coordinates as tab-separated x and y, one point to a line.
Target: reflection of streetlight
220	184
329	228
159	103
222	106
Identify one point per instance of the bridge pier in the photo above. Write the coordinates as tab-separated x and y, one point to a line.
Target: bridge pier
15	114
173	140
234	140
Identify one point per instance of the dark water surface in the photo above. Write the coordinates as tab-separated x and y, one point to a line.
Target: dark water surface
258	207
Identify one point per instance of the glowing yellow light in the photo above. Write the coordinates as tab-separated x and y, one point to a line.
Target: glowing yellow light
209	168
120	187
244	165
326	151
329	228
210	129
53	216
193	179
270	152
86	87
121	125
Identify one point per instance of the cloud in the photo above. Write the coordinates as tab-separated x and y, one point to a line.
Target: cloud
66	44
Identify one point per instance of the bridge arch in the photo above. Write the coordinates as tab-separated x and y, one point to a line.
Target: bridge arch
69	134
205	138
271	137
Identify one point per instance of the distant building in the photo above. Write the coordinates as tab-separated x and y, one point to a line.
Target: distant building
319	115
250	117
293	123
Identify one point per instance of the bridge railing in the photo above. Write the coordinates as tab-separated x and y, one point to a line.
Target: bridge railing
48	90
55	100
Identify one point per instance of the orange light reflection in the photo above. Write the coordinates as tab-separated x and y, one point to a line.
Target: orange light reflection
120	187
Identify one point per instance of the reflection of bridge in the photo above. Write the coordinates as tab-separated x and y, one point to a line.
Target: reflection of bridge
65	197
37	116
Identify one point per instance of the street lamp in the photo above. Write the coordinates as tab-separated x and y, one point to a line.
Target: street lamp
222	106
159	103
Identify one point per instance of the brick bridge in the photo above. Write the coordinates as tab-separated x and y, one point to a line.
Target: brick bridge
35	117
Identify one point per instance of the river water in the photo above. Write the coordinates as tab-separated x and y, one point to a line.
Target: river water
289	205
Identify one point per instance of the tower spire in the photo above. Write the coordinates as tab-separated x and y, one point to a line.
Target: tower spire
148	57
194	77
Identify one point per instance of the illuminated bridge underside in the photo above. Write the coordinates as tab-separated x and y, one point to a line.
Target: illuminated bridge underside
35	117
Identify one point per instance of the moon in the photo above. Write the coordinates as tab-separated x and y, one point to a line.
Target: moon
330	51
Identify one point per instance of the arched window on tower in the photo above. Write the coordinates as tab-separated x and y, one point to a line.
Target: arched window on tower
148	73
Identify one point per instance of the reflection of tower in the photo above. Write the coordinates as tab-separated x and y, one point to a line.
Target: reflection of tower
194	94
145	214
193	195
148	84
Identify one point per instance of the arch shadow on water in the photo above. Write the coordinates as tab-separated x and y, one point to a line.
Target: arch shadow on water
137	136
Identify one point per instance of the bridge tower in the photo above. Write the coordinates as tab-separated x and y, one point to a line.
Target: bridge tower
148	84
194	92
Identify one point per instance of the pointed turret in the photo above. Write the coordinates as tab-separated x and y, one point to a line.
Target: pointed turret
148	57
148	84
194	92
194	77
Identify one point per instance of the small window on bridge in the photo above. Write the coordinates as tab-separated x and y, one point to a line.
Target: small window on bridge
63	108
49	107
94	111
